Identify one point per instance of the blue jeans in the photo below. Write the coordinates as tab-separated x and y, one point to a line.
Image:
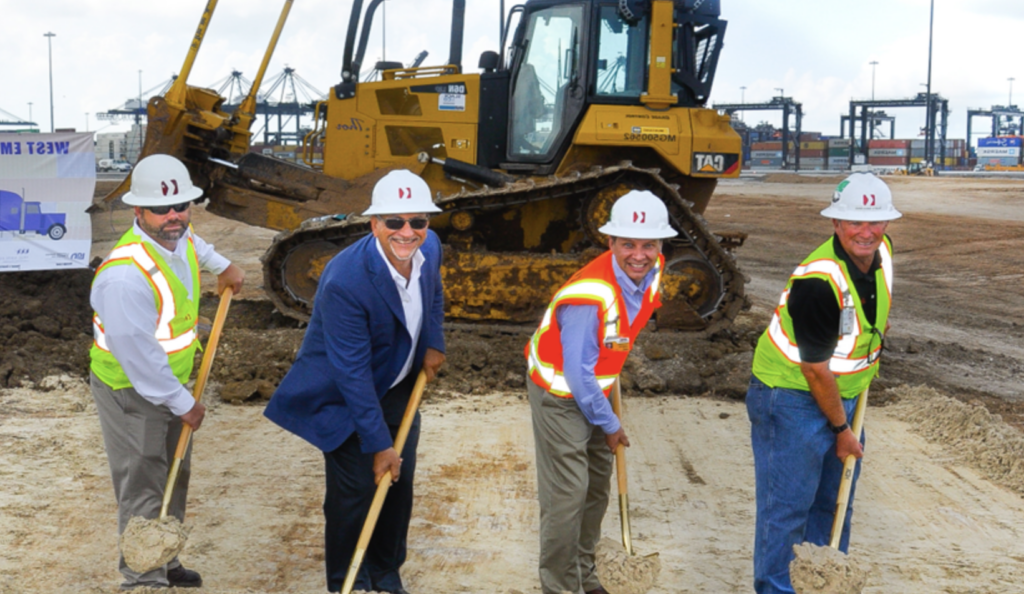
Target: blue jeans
797	476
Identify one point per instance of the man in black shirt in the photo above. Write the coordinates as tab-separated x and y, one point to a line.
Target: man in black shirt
818	355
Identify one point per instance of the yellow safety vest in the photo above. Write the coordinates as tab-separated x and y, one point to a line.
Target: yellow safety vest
855	359
177	314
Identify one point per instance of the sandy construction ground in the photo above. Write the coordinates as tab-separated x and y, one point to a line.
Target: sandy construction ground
939	506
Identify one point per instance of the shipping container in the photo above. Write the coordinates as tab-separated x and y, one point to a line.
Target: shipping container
898	144
996	151
888	152
1001	162
765	155
839	152
814	146
766	163
812	161
887	160
812	153
809	136
839	142
775	145
1000	141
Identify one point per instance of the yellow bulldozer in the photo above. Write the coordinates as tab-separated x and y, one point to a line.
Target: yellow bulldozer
585	101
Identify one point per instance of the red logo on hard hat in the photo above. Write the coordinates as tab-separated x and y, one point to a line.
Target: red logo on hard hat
642	216
405	193
165	189
869	201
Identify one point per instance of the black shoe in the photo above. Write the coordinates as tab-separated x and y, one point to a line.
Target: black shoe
179	577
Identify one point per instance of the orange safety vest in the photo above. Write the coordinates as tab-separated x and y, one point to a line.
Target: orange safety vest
594	284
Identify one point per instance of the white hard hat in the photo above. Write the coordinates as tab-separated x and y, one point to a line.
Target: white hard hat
401	192
862	197
160	180
639	214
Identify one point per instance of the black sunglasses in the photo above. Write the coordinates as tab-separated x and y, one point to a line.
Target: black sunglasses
162	210
396	224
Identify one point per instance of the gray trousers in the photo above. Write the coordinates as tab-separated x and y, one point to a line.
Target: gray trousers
574	469
140	439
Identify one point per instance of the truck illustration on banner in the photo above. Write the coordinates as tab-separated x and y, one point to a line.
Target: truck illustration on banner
18	215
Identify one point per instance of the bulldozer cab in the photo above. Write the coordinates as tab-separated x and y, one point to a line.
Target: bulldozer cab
568	54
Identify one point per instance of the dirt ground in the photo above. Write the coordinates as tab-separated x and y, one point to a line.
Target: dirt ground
938	509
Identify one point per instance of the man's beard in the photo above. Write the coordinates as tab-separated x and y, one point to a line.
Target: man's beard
161	234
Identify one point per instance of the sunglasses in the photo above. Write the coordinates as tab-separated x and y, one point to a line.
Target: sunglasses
396	224
162	210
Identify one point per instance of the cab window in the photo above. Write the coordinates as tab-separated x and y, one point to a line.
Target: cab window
622	55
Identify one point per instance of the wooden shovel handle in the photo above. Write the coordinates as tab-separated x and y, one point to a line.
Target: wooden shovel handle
384	485
620	474
620	450
197	393
846	483
205	365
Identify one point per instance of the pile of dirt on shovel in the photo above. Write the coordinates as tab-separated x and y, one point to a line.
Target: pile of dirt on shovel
148	544
824	570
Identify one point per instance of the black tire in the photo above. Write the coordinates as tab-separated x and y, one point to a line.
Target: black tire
56	231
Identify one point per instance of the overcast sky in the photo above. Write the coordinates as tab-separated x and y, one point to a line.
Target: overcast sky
818	51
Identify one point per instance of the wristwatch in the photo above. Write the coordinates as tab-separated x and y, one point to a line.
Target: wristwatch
838	429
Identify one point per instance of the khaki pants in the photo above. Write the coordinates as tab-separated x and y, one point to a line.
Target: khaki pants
140	439
574	467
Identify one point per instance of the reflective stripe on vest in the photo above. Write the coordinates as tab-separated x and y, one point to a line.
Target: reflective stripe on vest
843	361
165	298
603	295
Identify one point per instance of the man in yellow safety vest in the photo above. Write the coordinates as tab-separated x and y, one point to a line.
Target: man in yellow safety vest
819	353
145	296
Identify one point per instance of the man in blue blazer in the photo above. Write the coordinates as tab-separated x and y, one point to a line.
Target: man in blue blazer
377	320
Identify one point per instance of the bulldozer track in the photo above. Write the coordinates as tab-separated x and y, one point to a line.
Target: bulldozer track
695	236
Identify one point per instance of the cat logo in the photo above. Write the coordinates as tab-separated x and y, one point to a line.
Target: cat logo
716	163
709	163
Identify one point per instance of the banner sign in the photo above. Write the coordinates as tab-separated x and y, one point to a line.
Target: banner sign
46	183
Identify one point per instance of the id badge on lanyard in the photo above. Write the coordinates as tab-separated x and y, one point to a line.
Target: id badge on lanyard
848	316
618	344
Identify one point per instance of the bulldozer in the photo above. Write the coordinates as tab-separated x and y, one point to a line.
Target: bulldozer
584	101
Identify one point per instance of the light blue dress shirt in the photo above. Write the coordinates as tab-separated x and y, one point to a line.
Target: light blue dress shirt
580	349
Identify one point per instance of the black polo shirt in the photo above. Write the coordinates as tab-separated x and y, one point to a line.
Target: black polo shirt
815	311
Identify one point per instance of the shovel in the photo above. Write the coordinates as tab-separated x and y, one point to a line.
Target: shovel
827	569
173	546
383	486
846	483
620	474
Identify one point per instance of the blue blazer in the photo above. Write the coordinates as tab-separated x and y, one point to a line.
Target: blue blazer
354	348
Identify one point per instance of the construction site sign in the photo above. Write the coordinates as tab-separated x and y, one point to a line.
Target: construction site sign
46	184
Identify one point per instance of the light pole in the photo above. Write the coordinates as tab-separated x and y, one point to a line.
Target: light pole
30	111
743	94
1010	101
928	136
782	93
873	64
49	45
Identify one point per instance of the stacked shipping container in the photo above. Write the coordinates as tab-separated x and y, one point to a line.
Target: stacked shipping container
955	152
768	155
889	153
1000	151
839	153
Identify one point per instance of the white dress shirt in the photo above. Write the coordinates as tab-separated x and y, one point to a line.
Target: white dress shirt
412	303
123	298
